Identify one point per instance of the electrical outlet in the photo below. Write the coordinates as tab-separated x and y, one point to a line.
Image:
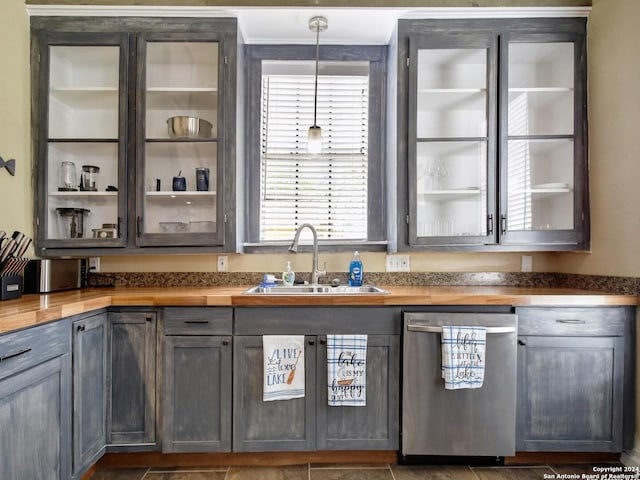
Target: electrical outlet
222	263
527	263
94	264
398	263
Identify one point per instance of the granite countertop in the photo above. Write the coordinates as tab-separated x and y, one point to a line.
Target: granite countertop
34	309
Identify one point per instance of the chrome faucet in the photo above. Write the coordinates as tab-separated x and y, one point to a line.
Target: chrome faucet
315	273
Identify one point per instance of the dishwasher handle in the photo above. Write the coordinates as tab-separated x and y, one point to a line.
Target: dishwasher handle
437	329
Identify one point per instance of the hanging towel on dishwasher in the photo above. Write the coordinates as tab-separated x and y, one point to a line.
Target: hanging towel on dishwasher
347	370
283	377
463	356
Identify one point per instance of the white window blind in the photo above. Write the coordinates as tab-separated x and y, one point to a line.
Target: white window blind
327	190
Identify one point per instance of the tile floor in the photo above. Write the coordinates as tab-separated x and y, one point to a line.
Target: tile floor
350	472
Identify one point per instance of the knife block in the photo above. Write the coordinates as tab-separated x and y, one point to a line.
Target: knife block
11	287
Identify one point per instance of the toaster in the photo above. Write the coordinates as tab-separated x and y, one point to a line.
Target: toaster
52	275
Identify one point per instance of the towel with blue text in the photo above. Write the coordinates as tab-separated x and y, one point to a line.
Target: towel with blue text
463	356
283	377
347	370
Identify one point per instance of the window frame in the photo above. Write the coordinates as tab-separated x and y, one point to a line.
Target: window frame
377	58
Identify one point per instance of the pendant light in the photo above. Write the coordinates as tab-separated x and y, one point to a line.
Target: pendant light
314	138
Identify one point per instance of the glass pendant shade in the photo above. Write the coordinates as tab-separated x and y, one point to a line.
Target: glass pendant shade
314	140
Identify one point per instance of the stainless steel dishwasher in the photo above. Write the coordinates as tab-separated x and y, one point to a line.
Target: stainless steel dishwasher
468	422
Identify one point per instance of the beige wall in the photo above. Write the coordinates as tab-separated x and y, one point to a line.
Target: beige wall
614	135
615	171
15	192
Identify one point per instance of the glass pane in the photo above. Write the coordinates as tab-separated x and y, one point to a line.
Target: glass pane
83	92
540	185
89	211
192	210
82	170
181	123
182	80
451	188
452	93
541	95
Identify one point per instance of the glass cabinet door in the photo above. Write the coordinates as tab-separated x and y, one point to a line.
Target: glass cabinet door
179	170
541	139
83	153
450	156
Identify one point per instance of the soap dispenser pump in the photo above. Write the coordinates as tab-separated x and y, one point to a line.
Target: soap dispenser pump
288	276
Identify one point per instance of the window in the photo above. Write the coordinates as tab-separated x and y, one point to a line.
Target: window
338	191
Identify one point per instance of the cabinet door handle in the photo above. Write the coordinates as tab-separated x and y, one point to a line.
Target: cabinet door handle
81	328
503	224
139	227
197	321
323	340
572	321
226	342
522	342
312	341
490	224
15	354
148	318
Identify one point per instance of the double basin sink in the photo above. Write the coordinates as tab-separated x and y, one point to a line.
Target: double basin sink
316	290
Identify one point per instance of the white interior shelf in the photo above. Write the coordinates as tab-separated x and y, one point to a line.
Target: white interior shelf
83	194
182	198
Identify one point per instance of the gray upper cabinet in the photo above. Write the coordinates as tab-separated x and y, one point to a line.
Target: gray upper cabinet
131	379
110	97
196	399
35	403
572	392
495	155
89	347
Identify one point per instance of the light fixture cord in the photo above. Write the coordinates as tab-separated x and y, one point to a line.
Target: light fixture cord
315	95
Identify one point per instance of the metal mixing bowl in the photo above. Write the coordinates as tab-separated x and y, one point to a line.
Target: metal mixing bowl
189	127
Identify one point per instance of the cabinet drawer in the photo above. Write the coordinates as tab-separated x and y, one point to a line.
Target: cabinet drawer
198	321
23	349
571	321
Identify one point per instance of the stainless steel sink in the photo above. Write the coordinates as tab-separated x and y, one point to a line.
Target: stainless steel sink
316	290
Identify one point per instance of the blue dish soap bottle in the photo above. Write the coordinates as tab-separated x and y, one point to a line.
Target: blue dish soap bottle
355	271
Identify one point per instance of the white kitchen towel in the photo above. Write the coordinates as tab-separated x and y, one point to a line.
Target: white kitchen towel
283	377
463	356
347	370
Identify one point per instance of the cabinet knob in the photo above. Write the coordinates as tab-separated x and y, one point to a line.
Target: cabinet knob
521	342
323	341
81	328
149	317
312	341
226	342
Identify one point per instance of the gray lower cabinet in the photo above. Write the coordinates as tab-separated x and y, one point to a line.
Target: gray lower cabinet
131	379
370	427
196	398
35	403
89	337
307	424
571	379
281	425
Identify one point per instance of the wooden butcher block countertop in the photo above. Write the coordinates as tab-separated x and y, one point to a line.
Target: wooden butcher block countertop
33	309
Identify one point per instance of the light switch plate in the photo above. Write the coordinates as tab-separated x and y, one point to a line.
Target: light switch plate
398	263
222	263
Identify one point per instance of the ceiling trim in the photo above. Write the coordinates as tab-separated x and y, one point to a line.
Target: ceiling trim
288	25
231	11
